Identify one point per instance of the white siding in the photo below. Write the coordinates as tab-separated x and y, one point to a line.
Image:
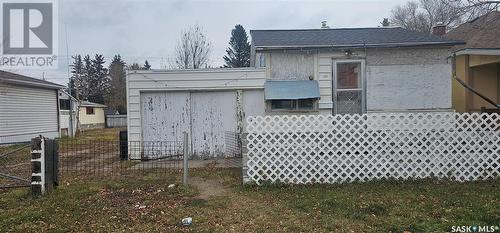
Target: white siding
64	121
26	112
253	103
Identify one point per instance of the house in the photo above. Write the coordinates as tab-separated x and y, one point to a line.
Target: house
67	118
91	116
28	108
310	71
477	63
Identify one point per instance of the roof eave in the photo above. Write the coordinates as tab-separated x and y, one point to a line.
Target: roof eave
479	51
94	105
381	45
33	84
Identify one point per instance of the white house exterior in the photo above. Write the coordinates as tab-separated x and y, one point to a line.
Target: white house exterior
395	69
28	108
318	71
67	125
91	116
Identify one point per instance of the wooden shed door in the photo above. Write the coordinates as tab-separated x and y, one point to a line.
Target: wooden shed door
207	115
213	113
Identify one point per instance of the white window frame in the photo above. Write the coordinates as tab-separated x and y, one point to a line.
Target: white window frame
362	79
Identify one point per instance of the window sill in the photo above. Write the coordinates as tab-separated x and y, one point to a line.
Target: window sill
293	110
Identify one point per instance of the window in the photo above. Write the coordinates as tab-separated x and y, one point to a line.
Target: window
293	105
260	60
306	104
283	104
63	104
89	110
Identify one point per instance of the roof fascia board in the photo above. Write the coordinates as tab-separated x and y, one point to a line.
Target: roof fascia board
383	45
491	52
33	84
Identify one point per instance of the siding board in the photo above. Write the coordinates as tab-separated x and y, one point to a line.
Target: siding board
26	112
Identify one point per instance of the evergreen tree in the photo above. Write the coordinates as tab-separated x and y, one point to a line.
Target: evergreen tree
238	54
76	81
134	66
146	66
117	93
100	80
88	80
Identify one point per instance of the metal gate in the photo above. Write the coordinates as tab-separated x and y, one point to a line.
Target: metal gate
15	166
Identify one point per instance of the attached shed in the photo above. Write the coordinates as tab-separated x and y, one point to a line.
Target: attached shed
210	104
28	108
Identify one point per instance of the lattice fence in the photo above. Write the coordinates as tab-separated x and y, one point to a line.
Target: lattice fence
346	148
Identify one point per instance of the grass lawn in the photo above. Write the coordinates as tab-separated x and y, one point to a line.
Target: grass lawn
144	203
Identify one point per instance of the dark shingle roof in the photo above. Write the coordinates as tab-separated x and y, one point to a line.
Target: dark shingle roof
13	78
346	37
483	32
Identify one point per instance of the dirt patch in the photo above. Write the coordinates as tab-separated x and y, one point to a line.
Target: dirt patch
208	188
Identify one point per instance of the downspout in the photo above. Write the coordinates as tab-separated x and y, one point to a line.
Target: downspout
468	87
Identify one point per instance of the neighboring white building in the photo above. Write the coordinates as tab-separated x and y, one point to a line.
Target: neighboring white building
65	102
28	108
91	116
317	71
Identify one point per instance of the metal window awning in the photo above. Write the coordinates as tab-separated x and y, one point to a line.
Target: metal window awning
291	89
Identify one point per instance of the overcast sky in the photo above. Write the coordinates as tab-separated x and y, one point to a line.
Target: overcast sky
149	29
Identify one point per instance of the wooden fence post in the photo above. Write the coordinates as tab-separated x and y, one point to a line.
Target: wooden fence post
37	166
244	158
185	157
44	165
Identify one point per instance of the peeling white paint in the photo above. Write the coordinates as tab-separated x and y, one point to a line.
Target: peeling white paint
213	113
205	115
165	115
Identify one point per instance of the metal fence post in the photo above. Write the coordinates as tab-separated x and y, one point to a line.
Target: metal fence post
185	159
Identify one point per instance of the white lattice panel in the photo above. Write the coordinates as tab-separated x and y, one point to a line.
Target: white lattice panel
346	148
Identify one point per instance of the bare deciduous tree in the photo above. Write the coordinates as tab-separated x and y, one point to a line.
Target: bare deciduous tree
471	9
424	14
411	17
193	49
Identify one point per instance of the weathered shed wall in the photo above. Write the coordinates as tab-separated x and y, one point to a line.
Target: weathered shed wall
212	115
26	112
212	90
